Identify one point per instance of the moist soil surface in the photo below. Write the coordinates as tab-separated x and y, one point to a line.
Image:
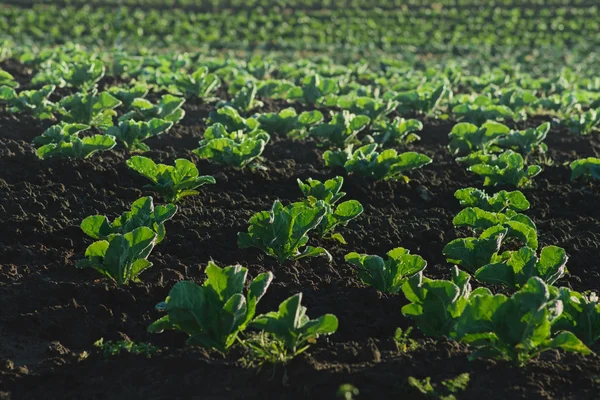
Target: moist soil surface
52	313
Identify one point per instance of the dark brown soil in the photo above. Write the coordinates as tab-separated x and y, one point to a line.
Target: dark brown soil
52	312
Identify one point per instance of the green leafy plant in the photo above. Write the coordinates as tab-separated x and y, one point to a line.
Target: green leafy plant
403	340
375	109
341	130
143	213
172	182
516	328
128	95
111	348
84	75
472	253
584	123
213	314
581	315
585	168
398	131
368	162
92	108
232	120
132	133
508	169
499	202
482	109
450	387
388	275
122	257
168	109
282	232
6	79
518	266
526	141
423	100
237	149
313	88
288	122
466	138
31	101
291	326
436	305
245	99
337	215
62	140
200	83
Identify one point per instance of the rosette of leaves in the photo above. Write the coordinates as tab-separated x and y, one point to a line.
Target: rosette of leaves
516	328
313	88
499	202
482	109
200	83
168	109
341	130
368	162
231	119
143	213
390	274
92	108
584	123
424	100
282	232
172	182
132	133
245	99
215	313
84	75
63	140
507	169
466	138
35	102
121	257
526	141
337	214
375	109
288	122
128	95
585	168
398	131
236	149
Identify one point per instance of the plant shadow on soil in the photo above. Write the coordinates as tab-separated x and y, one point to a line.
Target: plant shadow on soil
52	312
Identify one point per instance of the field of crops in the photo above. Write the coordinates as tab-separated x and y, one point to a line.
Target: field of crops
299	199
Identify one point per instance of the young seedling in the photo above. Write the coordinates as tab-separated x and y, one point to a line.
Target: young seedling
172	182
132	134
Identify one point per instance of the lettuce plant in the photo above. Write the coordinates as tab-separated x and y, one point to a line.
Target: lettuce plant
122	257
200	83
84	75
581	315
313	88
92	108
168	109
436	305
128	95
31	101
518	266
231	119
288	122
585	168
516	328
341	130
62	140
368	162
375	109
236	149
472	253
499	202
508	169
132	134
143	213
6	79
482	109
291	326
282	232
584	123
329	191
388	275
423	100
213	314
245	99
466	138
526	141
398	131
172	182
